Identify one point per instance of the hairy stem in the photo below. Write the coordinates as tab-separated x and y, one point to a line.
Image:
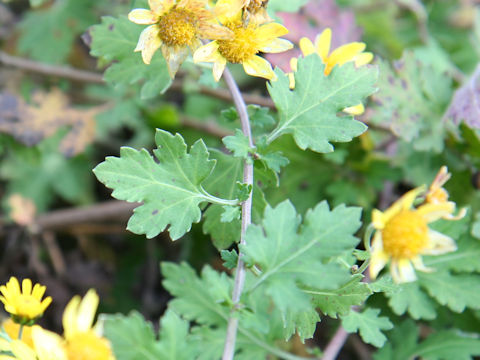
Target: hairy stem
229	348
335	345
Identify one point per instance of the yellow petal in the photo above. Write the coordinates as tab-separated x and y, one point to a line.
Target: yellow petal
159	7
13	286
22	351
45	303
434	212
378	259
38	291
229	10
276	46
345	53
69	320
419	265
257	66
355	110
174	57
439	244
266	33
207	53
218	68
27	286
213	31
48	345
402	271
291	81
87	310
306	46
142	17
378	219
294	64
363	59
322	43
148	43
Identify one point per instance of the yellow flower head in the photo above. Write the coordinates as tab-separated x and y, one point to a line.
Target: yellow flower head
248	40
402	236
24	305
343	54
175	27
82	340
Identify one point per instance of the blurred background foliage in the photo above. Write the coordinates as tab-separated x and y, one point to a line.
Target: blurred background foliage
60	115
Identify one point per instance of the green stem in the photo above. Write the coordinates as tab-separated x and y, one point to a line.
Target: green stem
20	332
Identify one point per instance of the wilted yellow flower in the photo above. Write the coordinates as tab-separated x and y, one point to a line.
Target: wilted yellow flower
402	236
248	40
175	27
256	10
24	305
346	53
82	340
437	194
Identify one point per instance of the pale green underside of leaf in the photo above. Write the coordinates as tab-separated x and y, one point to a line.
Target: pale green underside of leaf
170	190
369	324
309	112
114	40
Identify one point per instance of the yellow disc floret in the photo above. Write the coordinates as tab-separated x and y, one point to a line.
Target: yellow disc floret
88	346
405	235
177	27
243	45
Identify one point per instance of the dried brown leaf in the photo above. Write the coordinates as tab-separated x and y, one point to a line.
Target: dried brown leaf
31	123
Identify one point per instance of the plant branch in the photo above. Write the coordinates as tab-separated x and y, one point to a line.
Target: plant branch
229	347
73	74
335	344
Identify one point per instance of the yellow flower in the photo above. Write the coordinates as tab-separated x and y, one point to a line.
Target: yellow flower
248	40
175	27
343	54
402	236
24	305
82	340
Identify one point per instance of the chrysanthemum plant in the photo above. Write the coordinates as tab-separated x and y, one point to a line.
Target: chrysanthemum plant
283	271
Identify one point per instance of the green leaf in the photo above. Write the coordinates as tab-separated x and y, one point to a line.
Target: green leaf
309	112
230	257
170	190
199	299
230	213
238	144
448	345
175	343
293	257
54	28
132	337
114	40
412	101
455	291
402	342
242	191
369	324
412	299
339	301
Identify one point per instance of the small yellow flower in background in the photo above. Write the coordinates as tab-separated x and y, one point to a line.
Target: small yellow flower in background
402	236
346	53
248	40
24	305
82	339
175	27
341	55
